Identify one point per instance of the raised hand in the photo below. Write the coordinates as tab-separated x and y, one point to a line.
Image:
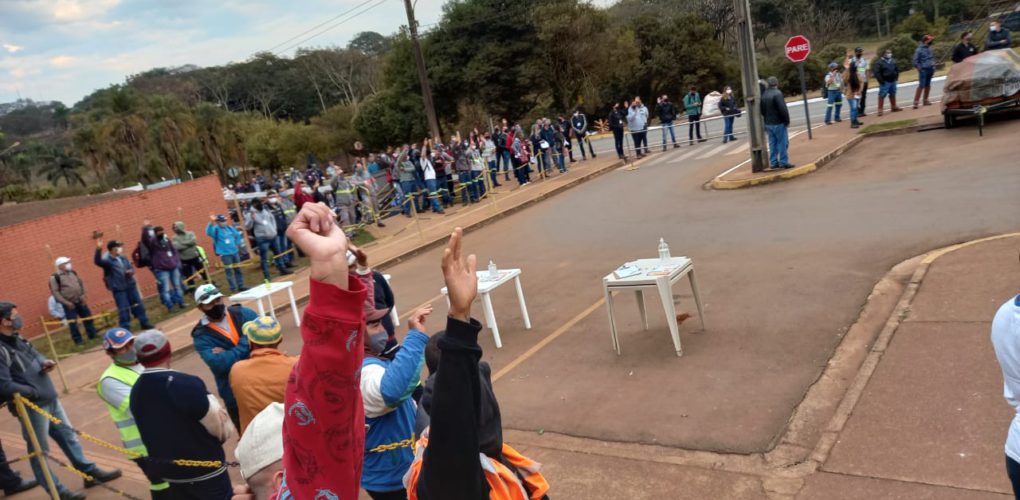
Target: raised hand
417	320
461	280
314	230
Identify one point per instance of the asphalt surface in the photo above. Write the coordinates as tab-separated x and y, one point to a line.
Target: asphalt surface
713	127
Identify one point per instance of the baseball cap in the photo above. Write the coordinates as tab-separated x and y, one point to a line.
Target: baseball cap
833	66
153	348
263	330
207	293
221	218
62	260
261	444
859	49
115	338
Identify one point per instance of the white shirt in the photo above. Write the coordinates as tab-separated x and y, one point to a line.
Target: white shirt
115	391
1006	341
428	169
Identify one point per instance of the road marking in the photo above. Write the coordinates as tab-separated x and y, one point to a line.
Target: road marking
741	149
685	155
552	336
712	152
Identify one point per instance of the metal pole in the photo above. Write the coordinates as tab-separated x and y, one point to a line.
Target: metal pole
803	93
423	77
749	80
34	441
53	350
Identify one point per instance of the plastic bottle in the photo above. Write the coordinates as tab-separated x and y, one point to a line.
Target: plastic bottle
493	270
663	250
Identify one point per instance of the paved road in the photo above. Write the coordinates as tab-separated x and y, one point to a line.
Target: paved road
713	127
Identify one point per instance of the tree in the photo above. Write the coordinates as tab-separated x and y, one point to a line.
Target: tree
370	43
58	164
171	126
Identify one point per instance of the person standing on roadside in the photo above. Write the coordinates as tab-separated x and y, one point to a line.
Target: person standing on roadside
166	263
24	371
833	93
864	74
777	120
1006	342
227	242
692	105
637	123
887	73
579	124
261	222
119	277
617	119
852	90
998	37
924	61
730	111
667	113
114	388
965	48
69	290
283	211
191	258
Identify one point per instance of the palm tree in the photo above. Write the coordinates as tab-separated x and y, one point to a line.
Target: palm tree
171	126
60	165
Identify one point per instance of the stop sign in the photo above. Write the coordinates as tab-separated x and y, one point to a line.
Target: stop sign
797	48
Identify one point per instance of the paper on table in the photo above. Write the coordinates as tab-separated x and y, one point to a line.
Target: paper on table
626	271
500	275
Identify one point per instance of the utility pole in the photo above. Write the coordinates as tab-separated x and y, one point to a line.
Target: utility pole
749	79
423	77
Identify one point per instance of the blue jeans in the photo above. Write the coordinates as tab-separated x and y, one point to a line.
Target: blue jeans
493	170
171	290
779	142
128	301
924	76
887	88
853	103
433	194
618	142
727	134
283	244
562	165
507	164
71	314
235	278
421	187
835	99
467	185
478	178
408	187
265	245
62	434
443	186
672	133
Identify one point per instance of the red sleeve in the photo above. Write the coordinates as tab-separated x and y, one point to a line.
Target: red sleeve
324	427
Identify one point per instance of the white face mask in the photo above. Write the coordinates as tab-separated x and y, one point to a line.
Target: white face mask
994	28
67	267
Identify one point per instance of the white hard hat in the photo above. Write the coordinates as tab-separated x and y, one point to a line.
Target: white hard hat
62	260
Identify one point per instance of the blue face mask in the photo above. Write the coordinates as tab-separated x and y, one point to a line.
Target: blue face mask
126	358
16	324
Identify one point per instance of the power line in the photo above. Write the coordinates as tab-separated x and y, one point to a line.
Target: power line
334	26
317	26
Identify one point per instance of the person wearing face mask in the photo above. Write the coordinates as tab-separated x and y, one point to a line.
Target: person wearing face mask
730	111
998	37
283	211
834	93
119	277
227	242
24	371
69	290
261	222
692	104
924	61
191	256
617	119
114	388
219	341
887	72
166	264
965	48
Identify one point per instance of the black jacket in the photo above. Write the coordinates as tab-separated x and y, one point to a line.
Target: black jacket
886	70
21	371
666	111
617	119
773	108
579	123
961	51
728	106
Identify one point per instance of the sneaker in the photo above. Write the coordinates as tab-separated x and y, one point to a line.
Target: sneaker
702	140
284	272
18	488
100	476
72	495
676	146
788	165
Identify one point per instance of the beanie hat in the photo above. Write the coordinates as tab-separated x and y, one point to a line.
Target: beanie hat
263	330
261	443
153	348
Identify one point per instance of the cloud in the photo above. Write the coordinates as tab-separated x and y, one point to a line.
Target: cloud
10	47
62	61
75	10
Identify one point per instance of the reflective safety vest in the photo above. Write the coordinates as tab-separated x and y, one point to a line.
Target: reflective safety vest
504	484
122	416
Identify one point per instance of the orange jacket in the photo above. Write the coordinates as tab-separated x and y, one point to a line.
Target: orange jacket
259	381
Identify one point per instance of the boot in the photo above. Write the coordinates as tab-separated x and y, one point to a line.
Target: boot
917	96
927	90
881	104
892	104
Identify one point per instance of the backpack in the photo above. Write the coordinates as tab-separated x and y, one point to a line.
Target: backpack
56	277
140	256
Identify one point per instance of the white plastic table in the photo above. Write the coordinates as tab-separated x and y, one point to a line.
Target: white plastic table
487	285
664	274
259	292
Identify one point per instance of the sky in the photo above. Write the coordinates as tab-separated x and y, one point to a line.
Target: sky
63	50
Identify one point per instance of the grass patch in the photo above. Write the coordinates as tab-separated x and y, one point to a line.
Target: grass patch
882	127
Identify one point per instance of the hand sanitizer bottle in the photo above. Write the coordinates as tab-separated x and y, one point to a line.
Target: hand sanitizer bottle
663	250
493	271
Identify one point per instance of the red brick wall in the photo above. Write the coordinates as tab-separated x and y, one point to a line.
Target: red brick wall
29	249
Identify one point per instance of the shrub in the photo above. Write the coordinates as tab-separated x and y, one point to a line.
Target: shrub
916	26
788	76
834	53
902	49
14	192
44	193
96	189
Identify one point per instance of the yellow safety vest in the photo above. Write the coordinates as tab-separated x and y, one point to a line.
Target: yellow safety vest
122	416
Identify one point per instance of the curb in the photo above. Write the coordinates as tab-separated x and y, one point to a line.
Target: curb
718	183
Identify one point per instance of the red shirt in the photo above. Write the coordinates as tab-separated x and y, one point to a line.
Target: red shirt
324	425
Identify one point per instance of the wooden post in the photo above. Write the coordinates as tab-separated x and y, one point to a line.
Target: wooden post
34	441
417	222
53	350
